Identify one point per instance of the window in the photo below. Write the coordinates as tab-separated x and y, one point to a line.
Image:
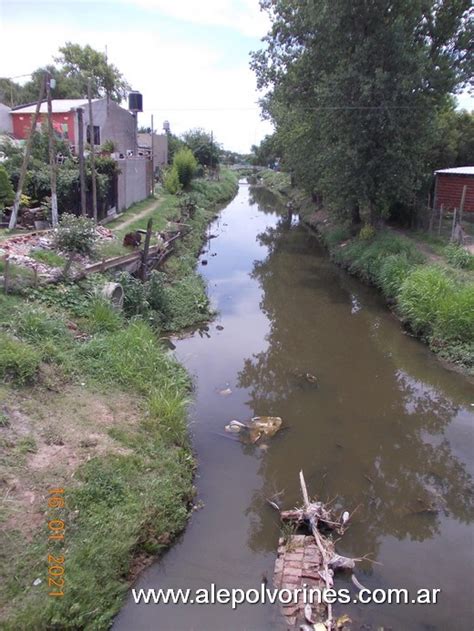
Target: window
96	134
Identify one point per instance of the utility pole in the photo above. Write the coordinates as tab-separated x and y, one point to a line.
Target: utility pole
82	170
91	139
26	157
212	144
52	154
152	158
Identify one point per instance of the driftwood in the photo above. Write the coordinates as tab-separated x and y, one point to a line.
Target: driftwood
320	519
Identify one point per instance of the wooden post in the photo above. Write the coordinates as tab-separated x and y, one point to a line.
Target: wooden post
26	158
6	274
430	226
52	154
82	170
441	211
146	247
35	277
91	138
463	199
454	223
152	158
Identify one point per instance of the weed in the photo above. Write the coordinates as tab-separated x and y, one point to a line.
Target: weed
19	361
103	317
459	257
48	257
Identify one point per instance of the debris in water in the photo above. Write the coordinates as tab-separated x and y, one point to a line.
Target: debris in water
310	559
258	427
226	392
219	327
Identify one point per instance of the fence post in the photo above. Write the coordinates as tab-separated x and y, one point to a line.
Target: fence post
441	210
6	274
454	223
463	199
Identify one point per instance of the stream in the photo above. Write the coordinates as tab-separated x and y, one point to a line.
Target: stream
388	428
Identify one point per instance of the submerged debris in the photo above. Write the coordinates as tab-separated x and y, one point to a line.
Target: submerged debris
258	427
309	559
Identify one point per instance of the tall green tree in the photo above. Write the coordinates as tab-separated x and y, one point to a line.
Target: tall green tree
204	147
354	89
81	63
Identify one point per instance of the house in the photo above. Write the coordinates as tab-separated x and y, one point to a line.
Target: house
160	147
449	186
111	122
5	119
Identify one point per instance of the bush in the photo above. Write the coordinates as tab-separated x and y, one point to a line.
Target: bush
76	234
7	196
459	257
367	232
171	181
185	164
18	361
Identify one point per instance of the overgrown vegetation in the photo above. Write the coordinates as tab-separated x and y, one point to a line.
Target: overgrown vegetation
435	302
129	496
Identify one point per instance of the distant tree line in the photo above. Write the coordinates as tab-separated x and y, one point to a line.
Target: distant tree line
359	93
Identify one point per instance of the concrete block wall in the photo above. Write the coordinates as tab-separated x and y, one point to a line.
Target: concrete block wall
133	181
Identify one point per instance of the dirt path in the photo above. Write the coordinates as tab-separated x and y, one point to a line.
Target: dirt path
143	213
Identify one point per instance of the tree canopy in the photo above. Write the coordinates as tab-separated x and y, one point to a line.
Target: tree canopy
354	90
75	65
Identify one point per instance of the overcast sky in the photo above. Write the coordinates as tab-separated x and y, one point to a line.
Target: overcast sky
189	58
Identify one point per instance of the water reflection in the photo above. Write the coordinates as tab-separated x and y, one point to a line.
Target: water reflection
372	433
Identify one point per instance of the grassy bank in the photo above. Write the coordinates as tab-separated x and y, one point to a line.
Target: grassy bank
94	403
431	291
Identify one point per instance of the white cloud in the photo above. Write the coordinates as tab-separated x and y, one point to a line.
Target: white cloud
182	83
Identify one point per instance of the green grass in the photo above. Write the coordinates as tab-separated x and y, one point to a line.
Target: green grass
48	257
435	302
19	361
124	503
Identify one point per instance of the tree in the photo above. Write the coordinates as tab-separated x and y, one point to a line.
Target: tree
354	89
79	64
204	147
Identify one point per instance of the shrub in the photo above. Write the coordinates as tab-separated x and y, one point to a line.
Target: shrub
367	232
185	164
7	196
76	234
171	181
18	361
48	257
459	257
134	295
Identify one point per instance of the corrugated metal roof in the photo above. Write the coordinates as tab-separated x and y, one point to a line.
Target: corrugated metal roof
59	106
457	171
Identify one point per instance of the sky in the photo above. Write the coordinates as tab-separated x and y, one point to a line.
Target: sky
189	58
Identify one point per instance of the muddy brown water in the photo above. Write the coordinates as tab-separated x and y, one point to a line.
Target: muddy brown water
388	427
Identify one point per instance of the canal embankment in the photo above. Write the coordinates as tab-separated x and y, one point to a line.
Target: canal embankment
92	402
428	284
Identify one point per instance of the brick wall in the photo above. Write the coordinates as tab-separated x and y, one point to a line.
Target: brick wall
449	191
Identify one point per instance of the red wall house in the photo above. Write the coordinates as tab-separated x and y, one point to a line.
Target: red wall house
449	184
63	124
